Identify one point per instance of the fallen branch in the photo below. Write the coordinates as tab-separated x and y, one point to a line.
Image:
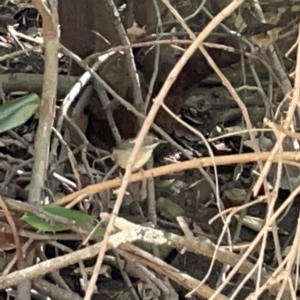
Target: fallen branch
288	157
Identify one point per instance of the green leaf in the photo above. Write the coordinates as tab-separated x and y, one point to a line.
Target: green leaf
79	218
41	224
16	112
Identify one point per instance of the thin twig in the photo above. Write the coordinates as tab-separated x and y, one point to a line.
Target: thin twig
180	166
159	32
14	232
130	63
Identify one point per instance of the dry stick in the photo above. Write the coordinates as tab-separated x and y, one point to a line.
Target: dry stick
193	36
125	276
53	291
19	52
9	266
24	207
14	232
243	279
126	236
256	240
47	107
238	132
292	255
102	95
49	266
159	32
287	123
178	41
275	278
294	135
149	120
277	148
161	42
270	210
151	209
150	183
239	102
196	245
234	210
46	112
160	267
131	233
234	94
180	166
130	63
14	170
198	133
285	83
286	87
184	42
33	82
55	274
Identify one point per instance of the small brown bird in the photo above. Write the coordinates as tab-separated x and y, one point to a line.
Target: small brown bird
122	153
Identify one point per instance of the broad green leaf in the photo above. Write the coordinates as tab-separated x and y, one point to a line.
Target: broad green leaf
16	112
80	218
41	224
